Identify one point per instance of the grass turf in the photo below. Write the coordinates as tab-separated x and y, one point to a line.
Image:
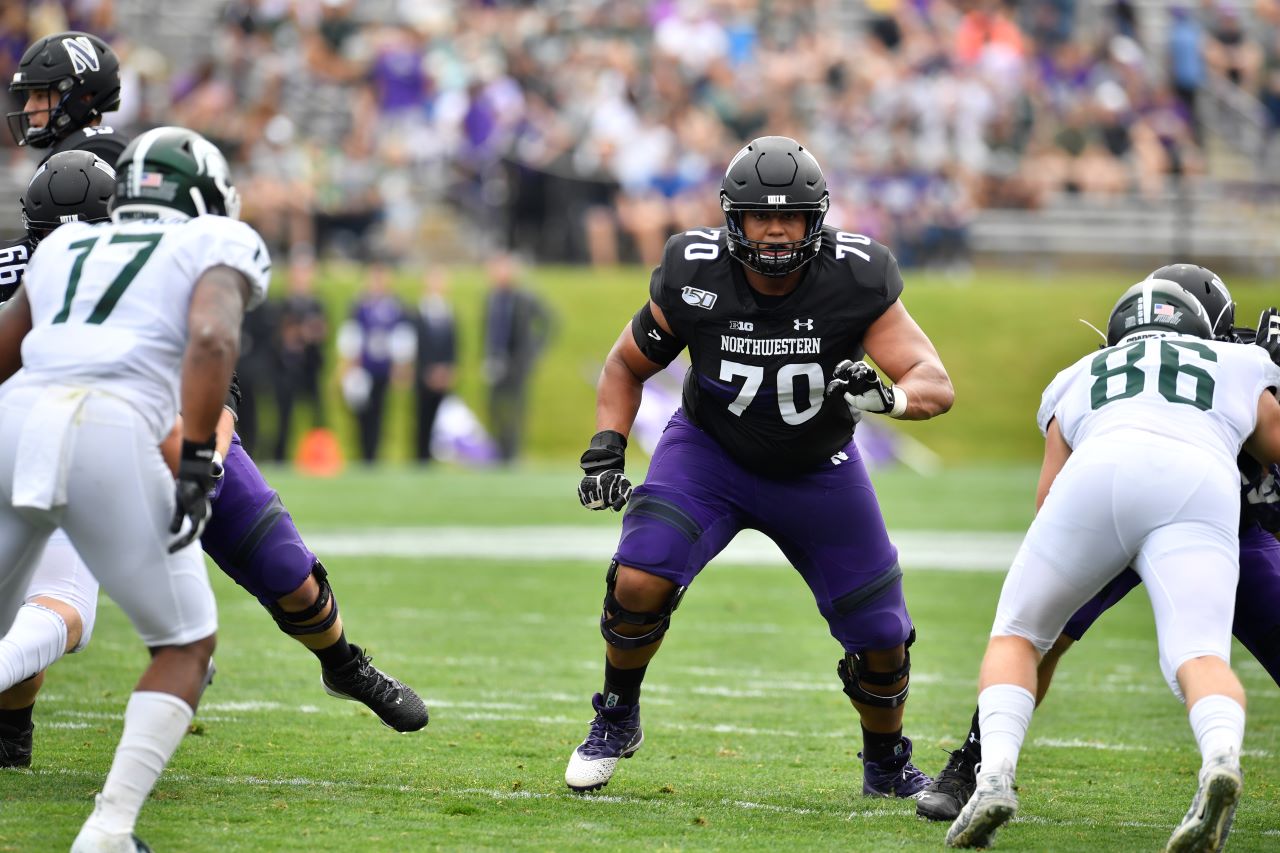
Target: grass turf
750	743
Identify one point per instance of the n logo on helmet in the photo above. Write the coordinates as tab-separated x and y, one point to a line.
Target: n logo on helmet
83	56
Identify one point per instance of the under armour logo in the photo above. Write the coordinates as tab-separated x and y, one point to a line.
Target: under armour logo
653	333
840	456
83	56
807	325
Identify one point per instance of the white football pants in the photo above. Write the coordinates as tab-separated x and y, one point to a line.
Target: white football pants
1168	508
85	461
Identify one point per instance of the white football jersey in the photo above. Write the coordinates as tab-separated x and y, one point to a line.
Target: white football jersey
1201	392
109	304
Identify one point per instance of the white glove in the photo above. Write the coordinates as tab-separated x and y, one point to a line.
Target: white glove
864	391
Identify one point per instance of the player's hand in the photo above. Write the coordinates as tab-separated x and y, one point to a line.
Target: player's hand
195	480
1269	333
604	486
862	389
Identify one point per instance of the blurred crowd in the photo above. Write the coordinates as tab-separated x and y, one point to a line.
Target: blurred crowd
588	130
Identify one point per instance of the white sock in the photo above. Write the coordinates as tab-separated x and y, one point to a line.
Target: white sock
1218	724
37	639
1004	715
154	724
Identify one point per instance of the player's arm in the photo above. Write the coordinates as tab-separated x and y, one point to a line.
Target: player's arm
15	322
1056	452
899	347
213	342
646	346
1264	443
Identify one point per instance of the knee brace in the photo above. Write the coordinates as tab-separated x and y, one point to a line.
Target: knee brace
292	621
614	613
853	671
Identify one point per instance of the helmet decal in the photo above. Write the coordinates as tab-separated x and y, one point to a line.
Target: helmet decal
81	53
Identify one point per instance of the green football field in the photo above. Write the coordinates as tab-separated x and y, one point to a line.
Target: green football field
750	743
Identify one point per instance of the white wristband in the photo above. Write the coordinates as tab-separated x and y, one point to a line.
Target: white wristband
899	402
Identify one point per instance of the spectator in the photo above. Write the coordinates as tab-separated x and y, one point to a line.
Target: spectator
302	332
517	327
437	356
374	342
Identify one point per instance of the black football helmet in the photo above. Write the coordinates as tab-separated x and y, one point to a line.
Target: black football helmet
1157	305
82	75
774	173
172	171
1205	285
72	186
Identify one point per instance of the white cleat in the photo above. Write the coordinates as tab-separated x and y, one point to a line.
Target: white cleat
1205	827
94	840
615	734
993	803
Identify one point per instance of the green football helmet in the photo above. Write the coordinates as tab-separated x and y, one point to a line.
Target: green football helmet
1157	306
173	172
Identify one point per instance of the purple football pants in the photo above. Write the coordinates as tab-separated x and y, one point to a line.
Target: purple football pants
251	536
1257	618
696	498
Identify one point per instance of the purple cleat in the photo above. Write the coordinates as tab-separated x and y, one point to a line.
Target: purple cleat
894	776
615	734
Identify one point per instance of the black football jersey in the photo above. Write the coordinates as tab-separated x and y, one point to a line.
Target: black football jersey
760	364
106	142
14	255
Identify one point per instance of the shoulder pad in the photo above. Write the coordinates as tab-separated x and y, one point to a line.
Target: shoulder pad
14	255
873	266
682	257
106	142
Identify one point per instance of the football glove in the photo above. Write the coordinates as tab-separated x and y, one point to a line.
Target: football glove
605	486
1269	333
864	391
196	478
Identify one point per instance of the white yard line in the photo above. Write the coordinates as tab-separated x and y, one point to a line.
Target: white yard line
922	549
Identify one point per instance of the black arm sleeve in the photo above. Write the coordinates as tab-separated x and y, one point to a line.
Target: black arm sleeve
655	344
233	397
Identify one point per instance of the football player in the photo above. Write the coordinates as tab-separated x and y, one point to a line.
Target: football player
1257	619
115	325
776	309
1107	499
252	538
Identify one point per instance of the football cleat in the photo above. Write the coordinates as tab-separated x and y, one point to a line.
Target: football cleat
94	840
1205	827
359	680
952	788
15	746
994	801
615	734
894	776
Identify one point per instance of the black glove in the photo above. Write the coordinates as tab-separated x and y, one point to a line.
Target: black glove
862	388
605	486
196	478
1269	333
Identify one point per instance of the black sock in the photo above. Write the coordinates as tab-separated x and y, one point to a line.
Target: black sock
877	747
333	657
621	686
17	719
973	741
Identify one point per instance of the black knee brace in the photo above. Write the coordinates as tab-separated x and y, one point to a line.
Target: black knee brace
614	613
291	621
853	671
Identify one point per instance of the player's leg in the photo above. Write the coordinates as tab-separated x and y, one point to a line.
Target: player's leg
1257	616
829	526
953	787
56	619
119	503
676	522
253	539
1078	542
1193	626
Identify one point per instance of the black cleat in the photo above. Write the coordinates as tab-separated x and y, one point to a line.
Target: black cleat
952	788
395	703
15	746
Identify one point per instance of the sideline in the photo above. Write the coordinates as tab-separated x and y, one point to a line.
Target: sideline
917	549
